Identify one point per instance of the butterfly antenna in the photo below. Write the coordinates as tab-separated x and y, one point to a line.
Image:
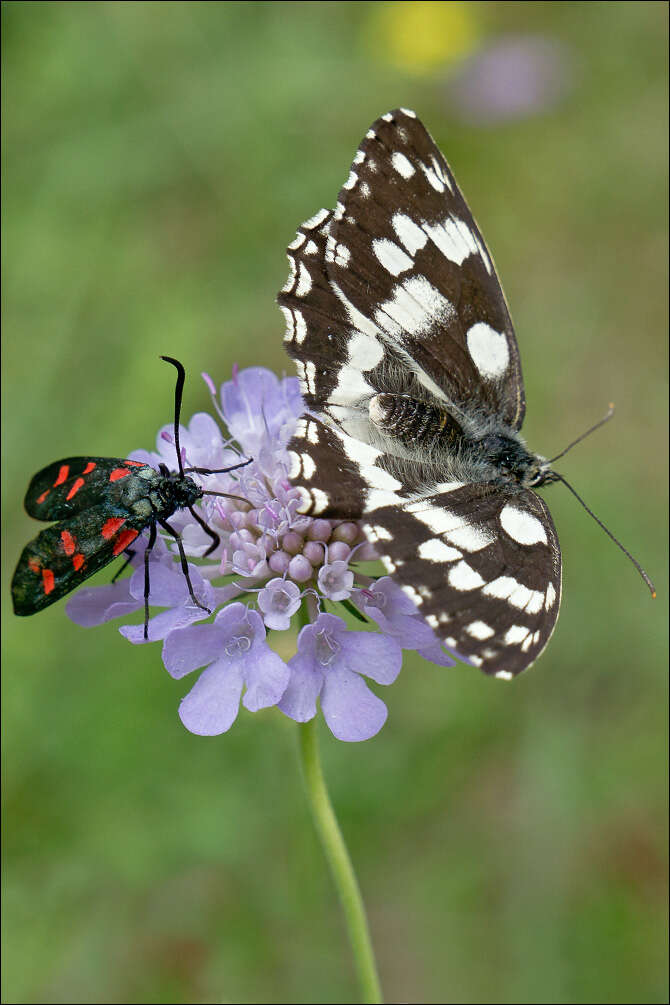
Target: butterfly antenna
560	478
178	391
601	422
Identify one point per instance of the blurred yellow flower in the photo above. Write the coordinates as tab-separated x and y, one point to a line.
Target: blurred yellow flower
423	35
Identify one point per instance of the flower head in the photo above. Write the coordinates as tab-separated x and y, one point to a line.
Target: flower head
271	564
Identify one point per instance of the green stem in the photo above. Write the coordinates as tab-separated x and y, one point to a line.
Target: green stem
340	864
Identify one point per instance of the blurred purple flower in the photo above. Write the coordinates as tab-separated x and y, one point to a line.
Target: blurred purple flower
270	552
510	79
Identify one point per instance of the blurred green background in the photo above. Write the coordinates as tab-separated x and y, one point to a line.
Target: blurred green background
510	839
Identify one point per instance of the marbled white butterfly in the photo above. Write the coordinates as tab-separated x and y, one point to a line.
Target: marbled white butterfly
411	373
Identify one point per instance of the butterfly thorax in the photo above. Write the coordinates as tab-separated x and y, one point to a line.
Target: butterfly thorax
427	429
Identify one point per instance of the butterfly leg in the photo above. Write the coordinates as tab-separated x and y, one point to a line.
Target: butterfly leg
184	564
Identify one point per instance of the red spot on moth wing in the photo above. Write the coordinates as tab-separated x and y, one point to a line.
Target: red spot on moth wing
34	565
75	488
77	561
136	464
123	540
89	467
62	474
41	498
48	580
69	543
118	473
111	526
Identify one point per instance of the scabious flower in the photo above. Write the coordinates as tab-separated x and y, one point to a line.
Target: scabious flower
272	568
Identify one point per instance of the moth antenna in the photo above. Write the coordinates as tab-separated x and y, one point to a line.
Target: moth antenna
601	422
178	392
217	471
226	495
560	478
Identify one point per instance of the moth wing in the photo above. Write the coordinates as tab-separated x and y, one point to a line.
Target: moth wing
73	485
64	555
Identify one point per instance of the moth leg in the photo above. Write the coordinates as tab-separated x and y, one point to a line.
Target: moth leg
130	555
147	553
216	540
184	564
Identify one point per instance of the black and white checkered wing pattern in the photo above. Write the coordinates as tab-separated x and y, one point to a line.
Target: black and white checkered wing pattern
393	293
482	566
406	255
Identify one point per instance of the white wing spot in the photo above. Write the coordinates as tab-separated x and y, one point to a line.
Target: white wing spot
480	630
379	533
433	179
488	349
550	597
515	635
522	527
417	308
310	374
410	592
464	577
471	538
310	248
438	551
360	157
308	465
504	675
391	257
297	242
316	220
304	281
454	239
342	256
351	180
439	171
408	111
288	285
402	165
409	232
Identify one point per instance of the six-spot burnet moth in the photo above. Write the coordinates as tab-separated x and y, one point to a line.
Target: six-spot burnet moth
102	504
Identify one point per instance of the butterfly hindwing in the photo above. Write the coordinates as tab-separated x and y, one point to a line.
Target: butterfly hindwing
482	566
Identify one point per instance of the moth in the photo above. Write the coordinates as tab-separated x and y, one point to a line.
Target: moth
102	504
411	377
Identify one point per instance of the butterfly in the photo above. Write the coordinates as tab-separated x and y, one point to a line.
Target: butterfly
411	377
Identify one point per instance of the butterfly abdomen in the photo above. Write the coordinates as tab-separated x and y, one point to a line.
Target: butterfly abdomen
414	422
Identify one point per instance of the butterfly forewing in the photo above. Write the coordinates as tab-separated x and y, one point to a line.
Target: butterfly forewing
407	255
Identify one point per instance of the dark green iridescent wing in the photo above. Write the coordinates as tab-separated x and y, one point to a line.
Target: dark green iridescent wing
74	484
61	557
